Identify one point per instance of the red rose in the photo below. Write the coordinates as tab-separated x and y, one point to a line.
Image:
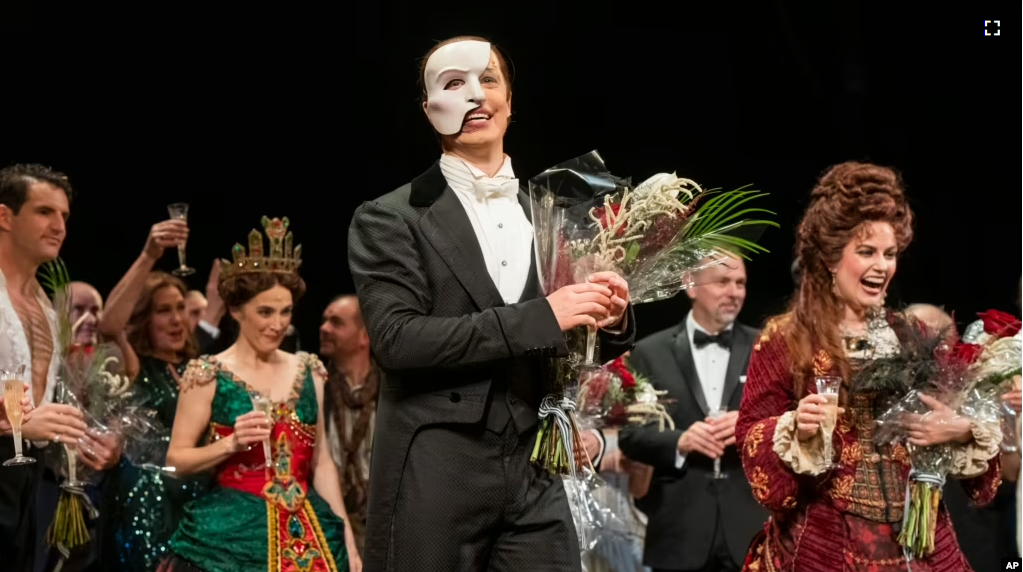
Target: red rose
605	221
618	368
1000	324
965	353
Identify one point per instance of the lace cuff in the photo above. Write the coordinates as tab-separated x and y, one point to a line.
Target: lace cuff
803	457
970	460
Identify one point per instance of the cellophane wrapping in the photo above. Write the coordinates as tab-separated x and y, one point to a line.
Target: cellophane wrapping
657	236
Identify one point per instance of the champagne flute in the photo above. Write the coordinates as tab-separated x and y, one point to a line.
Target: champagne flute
63	395
262	404
828	388
179	211
714	414
14	392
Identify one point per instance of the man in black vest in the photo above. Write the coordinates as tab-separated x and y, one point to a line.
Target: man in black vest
702	514
446	279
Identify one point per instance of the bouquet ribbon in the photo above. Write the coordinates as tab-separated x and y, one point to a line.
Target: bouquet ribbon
558	413
69	529
920	514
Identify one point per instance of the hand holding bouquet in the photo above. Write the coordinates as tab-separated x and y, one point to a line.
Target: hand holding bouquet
932	380
655	236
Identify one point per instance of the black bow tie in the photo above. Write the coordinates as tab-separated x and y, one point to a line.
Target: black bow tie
703	339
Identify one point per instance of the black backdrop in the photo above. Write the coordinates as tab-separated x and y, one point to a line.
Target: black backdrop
280	110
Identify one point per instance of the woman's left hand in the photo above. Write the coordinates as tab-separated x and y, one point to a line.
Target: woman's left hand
939	426
619	296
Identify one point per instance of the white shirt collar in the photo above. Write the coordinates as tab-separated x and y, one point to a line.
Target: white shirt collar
460	174
692	326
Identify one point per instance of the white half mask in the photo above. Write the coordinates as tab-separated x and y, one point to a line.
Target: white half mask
466	61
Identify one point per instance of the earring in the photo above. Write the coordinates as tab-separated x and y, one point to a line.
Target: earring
834	283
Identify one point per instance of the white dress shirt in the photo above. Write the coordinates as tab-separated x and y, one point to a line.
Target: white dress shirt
711	367
502	229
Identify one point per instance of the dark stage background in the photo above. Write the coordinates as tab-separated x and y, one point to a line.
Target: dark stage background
280	110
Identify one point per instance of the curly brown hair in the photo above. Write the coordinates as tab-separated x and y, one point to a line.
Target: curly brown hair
237	289
846	198
501	61
142	315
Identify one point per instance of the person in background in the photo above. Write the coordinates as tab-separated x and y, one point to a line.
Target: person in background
698	523
350	404
195	305
141	509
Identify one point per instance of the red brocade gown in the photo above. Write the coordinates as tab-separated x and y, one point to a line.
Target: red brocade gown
846	519
260	518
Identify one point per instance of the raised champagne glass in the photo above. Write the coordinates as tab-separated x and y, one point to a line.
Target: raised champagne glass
14	393
179	211
714	414
262	404
828	387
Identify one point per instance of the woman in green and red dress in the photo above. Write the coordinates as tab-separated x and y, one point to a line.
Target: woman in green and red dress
845	519
286	514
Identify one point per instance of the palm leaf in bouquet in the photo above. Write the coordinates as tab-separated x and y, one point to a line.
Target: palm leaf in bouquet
54	278
717	223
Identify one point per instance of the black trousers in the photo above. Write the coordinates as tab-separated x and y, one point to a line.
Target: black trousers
17	510
470	501
720	557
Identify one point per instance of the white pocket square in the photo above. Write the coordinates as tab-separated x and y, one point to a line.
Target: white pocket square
742	379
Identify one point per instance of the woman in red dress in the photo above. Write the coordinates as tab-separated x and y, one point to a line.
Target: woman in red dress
845	518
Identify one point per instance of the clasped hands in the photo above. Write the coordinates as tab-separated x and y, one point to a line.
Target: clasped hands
938	426
600	302
710	436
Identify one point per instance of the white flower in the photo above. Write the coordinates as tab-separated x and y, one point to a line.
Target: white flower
646	394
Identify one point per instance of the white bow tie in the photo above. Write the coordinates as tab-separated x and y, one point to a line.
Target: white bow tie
487	188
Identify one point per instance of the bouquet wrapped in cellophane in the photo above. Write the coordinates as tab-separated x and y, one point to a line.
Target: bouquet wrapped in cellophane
936	364
616	397
1000	336
656	236
91	379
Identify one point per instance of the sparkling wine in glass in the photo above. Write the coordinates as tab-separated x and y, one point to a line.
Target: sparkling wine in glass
179	211
262	404
14	392
828	388
714	414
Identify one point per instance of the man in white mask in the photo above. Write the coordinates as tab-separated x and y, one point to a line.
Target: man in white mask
447	283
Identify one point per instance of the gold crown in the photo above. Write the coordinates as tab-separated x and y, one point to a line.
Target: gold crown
282	258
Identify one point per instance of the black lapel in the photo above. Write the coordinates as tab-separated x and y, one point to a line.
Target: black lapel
448	229
683	353
428	187
738	361
532	289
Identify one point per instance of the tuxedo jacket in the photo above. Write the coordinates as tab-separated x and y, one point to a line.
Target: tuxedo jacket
684	505
451	350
